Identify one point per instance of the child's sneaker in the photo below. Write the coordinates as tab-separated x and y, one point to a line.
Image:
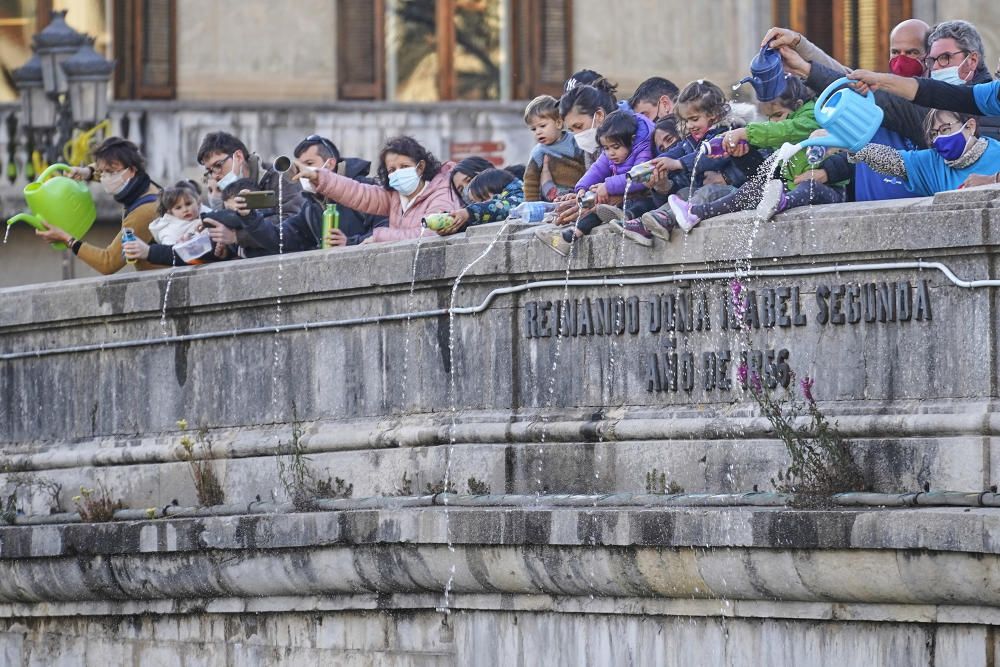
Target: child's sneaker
607	212
634	231
686	220
774	200
553	239
659	222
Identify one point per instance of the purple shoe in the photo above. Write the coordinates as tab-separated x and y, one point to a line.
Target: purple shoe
686	220
633	230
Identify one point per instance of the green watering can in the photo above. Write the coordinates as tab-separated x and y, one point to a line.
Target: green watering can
61	202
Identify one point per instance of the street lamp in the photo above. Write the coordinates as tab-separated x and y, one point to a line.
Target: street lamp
63	86
87	76
37	111
54	45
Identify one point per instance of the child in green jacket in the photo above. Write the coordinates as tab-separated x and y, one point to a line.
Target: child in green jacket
790	120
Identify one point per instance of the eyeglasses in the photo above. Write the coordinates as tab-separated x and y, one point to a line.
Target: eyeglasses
942	59
216	166
942	129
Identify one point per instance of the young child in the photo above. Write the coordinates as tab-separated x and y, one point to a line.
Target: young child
702	113
492	194
179	210
556	162
790	120
626	139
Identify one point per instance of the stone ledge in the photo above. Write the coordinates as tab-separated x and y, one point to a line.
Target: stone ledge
924	557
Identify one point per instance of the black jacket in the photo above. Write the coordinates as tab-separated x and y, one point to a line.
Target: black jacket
901	116
304	230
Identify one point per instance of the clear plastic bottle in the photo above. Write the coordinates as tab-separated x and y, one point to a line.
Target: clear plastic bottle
128	234
532	211
815	154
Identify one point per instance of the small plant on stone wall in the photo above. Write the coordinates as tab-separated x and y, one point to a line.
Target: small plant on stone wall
440	487
96	505
656	482
301	482
478	487
206	481
821	460
26	485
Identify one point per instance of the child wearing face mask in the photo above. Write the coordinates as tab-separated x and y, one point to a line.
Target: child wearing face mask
957	152
790	120
556	162
627	140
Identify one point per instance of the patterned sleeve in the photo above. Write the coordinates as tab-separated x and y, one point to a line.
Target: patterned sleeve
883	159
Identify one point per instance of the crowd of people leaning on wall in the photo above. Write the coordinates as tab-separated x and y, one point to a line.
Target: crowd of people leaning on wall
703	154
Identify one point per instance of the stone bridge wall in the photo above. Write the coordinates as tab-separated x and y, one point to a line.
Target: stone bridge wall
97	373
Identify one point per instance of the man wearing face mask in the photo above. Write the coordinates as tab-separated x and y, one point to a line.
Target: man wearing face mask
902	127
121	170
227	159
304	230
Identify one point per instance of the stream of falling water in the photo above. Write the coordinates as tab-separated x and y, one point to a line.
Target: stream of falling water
453	399
409	318
166	293
277	303
6	234
539	468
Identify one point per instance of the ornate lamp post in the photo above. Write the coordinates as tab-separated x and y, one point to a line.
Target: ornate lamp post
63	86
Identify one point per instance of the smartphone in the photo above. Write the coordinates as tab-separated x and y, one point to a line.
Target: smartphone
260	199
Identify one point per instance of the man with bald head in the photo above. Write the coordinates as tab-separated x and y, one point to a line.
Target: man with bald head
907	47
906	58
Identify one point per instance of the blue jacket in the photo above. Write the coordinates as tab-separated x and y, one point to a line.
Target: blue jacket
927	173
735	170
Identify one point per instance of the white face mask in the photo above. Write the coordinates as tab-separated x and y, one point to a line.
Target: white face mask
587	140
231	177
950	74
114	183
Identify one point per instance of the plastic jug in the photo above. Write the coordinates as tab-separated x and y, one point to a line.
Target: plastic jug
850	118
61	202
767	75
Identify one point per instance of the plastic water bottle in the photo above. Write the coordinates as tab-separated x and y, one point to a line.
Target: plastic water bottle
642	172
815	154
714	148
128	234
532	211
331	220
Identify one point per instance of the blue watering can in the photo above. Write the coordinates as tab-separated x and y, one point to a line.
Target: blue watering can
767	76
850	118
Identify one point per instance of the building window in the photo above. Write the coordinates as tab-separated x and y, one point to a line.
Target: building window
855	32
145	49
434	50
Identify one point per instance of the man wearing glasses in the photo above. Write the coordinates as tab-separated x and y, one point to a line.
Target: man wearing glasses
226	159
955	54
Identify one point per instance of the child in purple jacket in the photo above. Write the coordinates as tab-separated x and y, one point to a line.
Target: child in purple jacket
627	140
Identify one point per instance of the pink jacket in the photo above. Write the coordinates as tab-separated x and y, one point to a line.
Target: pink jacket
436	197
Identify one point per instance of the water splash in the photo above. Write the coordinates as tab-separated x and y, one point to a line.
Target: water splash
409	318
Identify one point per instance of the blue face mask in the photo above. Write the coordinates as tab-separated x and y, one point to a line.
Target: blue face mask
951	146
405	181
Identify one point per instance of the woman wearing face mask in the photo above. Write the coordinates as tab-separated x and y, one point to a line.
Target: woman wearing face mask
956	153
583	109
415	185
121	170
